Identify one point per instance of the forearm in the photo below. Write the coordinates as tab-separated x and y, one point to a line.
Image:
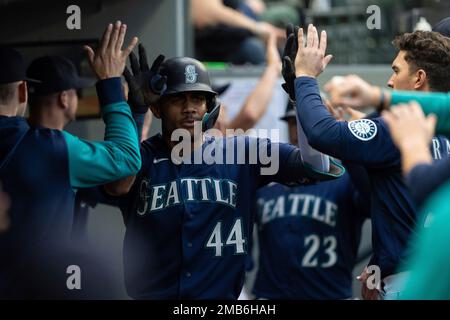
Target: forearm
94	163
120	187
431	102
288	167
311	156
212	12
257	103
321	129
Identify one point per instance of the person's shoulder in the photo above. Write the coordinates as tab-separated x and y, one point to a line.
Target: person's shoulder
153	143
40	132
154	148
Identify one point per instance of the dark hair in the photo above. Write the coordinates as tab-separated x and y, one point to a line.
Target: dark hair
429	51
7	92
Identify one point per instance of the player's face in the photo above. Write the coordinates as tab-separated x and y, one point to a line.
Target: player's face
182	110
292	125
402	77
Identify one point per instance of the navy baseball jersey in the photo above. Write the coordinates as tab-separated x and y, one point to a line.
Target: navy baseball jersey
308	239
188	225
38	215
368	142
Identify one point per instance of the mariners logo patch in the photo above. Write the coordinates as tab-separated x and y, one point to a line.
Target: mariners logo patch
190	73
363	129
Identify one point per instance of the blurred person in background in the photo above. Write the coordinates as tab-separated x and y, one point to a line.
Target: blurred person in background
258	101
229	31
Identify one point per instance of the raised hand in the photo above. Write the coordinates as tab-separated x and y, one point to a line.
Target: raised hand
311	60
108	60
352	91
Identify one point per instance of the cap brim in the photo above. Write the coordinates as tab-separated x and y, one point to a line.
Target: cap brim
85	83
31	80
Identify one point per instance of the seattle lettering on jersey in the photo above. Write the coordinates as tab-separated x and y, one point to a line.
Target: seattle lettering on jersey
177	192
298	204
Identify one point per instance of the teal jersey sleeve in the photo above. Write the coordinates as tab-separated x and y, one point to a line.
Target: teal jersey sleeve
93	163
429	277
431	102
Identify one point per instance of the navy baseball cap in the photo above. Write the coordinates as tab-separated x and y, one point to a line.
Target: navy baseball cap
443	27
12	66
55	74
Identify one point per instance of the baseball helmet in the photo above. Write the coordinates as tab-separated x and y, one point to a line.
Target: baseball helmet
186	74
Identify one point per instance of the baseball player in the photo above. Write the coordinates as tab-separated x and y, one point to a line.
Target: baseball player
368	142
430	254
53	103
41	168
188	225
425	178
309	235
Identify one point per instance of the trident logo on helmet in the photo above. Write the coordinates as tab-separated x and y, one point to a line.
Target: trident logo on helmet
190	73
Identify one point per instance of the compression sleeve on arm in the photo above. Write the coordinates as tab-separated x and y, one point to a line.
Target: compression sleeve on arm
93	163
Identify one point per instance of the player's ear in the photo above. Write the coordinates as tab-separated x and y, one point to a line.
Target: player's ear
63	99
22	92
421	79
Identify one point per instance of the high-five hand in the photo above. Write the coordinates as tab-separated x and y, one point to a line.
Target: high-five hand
108	61
311	60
